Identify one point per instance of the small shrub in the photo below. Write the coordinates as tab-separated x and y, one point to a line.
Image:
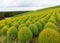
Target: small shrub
39	25
16	24
49	36
30	19
36	19
11	34
24	35
8	22
52	19
58	18
4	30
21	21
20	26
33	21
51	25
42	22
45	19
28	23
34	29
2	25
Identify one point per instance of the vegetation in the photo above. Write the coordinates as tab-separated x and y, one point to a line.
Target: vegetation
51	25
49	36
43	24
11	35
25	35
34	29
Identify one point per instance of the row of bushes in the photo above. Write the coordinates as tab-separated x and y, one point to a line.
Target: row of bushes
23	28
50	34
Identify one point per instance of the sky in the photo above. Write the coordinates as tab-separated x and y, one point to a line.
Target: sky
26	4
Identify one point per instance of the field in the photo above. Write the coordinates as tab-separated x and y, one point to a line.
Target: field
41	26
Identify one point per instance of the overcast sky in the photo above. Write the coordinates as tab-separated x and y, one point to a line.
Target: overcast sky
28	3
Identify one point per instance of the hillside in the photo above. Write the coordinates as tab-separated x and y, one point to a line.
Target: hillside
41	26
41	10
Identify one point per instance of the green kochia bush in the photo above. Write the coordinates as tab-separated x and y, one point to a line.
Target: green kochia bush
58	17
20	26
4	30
11	34
30	18
42	22
36	19
49	36
51	25
8	22
21	21
34	29
28	22
16	24
1	25
25	35
45	19
39	25
52	19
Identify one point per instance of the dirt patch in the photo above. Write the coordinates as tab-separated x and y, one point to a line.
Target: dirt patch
35	39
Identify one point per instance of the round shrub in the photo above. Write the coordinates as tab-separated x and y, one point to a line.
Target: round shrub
11	34
25	19
4	30
21	21
30	19
13	19
45	19
39	25
36	19
58	17
1	25
8	22
25	35
34	29
2	22
52	19
33	21
49	36
51	25
28	22
20	26
16	24
42	22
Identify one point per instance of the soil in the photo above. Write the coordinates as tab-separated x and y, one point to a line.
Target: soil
34	40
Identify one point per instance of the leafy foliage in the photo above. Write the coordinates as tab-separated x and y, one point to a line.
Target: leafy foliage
11	35
49	36
34	29
25	35
25	27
